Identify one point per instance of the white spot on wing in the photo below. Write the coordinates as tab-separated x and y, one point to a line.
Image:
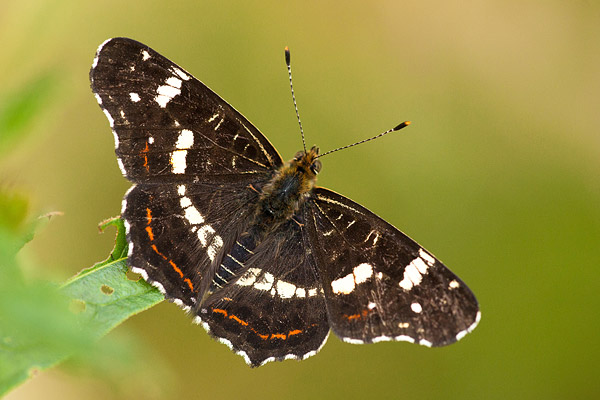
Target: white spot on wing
214	247
249	277
192	214
185	202
181	190
185	139
178	161
181	74
416	307
173	81
265	282
145	55
453	284
166	92
420	265
162	100
204	234
300	292
343	285
150	140
285	290
362	272
411	277
428	259
134	97
413	273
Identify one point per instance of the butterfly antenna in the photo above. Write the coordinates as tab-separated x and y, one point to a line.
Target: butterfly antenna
289	67
397	128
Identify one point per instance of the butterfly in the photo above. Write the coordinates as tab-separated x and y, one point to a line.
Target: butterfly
267	261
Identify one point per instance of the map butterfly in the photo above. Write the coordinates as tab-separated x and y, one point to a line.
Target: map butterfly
264	259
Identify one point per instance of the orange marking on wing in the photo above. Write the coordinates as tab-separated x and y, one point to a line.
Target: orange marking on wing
278	336
239	321
158	252
294	332
265	337
218	310
362	314
145	153
176	268
150	234
186	280
148	215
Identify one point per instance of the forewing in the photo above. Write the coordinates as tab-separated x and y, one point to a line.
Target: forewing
276	310
175	232
168	126
381	285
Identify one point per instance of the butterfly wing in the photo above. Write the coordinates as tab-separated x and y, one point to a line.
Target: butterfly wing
379	284
276	310
197	164
170	127
176	232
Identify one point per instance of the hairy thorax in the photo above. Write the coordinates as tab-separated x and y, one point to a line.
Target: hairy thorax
291	185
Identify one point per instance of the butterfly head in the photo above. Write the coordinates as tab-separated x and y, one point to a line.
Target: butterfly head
307	163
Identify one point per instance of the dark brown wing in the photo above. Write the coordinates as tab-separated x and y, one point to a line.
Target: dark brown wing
381	285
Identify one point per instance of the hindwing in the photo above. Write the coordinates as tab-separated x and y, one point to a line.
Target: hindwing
276	309
381	285
176	232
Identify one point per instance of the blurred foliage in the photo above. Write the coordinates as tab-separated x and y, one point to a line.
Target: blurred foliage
20	109
41	324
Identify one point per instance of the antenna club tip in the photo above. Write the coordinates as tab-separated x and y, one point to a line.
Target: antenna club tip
402	125
287	55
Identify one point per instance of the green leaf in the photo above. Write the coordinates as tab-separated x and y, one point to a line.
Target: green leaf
106	293
42	325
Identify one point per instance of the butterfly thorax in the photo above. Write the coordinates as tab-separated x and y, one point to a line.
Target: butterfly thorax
283	196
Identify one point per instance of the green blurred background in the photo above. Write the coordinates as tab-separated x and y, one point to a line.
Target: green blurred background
497	176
